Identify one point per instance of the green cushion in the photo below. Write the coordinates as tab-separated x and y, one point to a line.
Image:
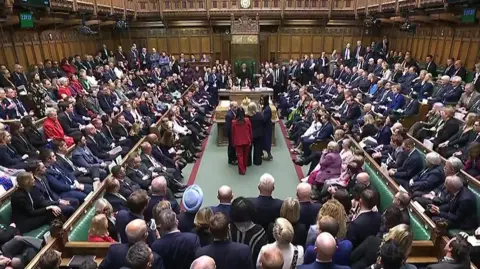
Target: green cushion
80	229
469	77
39	232
386	199
6	213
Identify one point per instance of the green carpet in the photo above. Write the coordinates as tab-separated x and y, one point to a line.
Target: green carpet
214	171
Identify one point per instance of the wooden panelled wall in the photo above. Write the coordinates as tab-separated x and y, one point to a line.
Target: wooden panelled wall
29	47
442	42
283	45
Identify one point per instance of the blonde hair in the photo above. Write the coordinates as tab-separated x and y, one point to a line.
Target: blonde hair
99	226
333	146
252	109
202	218
402	236
334	209
101	205
470	120
290	210
368	119
283	231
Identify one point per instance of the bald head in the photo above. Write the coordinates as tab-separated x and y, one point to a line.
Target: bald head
304	191
136	231
203	262
325	247
271	258
363	178
225	194
159	185
152	138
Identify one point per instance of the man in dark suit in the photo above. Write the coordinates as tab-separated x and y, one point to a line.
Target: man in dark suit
367	222
232	157
160	192
144	59
308	209
121	129
136	231
127	186
267	208
347	56
461	210
430	178
459	70
69	126
29	209
447	128
359	51
138	172
68	205
225	196
431	66
457	253
84	158
177	249
412	165
325	248
352	112
227	254
325	132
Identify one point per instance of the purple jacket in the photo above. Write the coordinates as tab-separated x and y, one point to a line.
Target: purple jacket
330	167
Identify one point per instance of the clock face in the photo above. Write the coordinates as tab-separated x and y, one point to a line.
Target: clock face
245	3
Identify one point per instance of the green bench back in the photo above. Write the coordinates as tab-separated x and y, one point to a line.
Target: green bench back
79	232
386	199
472	188
6	219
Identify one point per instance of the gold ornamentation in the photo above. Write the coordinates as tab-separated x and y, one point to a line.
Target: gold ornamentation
244	39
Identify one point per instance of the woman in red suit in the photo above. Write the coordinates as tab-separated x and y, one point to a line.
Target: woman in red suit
241	139
53	129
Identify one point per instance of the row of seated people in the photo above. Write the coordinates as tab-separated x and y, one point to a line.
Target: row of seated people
256	225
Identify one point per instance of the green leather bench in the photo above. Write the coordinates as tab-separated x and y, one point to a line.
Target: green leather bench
386	199
6	219
79	232
475	191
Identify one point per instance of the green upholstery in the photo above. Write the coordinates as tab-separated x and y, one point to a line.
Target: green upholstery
469	77
6	219
473	189
386	199
79	232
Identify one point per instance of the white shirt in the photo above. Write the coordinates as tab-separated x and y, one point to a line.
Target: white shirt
179	129
314	127
118	72
387	74
287	251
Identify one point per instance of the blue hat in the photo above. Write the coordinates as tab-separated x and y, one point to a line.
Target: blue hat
192	198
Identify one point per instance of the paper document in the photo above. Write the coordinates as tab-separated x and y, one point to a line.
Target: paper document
428	144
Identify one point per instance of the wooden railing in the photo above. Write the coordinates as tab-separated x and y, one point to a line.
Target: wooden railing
164	7
59	243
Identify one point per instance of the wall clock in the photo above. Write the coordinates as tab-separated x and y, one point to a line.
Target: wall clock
245	3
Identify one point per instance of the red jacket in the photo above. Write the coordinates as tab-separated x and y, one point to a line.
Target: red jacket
241	133
54	130
69	69
64	90
92	238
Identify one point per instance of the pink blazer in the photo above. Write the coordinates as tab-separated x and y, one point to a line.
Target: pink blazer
330	167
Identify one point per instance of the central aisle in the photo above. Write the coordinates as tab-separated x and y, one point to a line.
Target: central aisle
214	171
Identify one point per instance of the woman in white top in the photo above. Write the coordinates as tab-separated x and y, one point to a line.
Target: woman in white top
386	72
346	154
283	234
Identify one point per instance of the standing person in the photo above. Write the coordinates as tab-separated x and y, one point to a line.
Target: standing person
241	139
267	138
232	158
258	131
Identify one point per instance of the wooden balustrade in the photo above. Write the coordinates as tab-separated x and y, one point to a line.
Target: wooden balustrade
156	7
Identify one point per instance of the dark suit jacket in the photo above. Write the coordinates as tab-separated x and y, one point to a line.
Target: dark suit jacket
223	208
116	258
450	128
325	132
185	221
309	212
428	180
431	68
127	186
67	124
27	215
9	158
449	264
177	249
411	108
136	175
23	146
155	199
116	202
45	190
119	131
258	125
363	226
228	255
412	165
318	265
267	210
461	211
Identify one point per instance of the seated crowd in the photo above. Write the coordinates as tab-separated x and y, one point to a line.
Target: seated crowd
339	228
96	112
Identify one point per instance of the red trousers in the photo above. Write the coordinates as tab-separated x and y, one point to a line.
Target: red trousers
242	158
